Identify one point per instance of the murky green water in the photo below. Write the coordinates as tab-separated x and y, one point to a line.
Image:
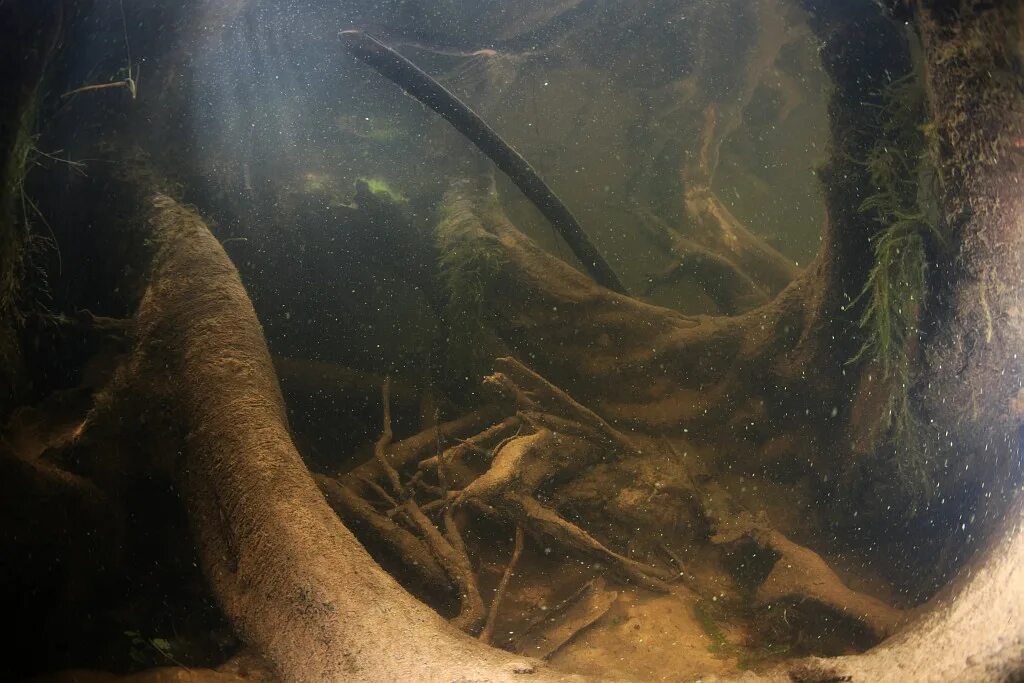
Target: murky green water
620	484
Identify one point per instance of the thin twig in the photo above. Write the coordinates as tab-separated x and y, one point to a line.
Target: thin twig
429	488
126	83
385	440
442	480
74	165
379	490
456	563
473	443
532	391
365	520
411	450
124	26
675	557
131	82
499	594
472	606
684	576
167	655
435	505
472	612
416	477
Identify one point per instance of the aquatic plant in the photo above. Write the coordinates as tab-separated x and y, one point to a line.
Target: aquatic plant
470	258
382	188
144	648
590	498
467	268
467	271
719	645
902	173
12	192
12	243
23	281
900	168
748	656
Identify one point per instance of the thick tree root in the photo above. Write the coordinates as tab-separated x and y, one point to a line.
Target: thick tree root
642	364
292	579
729	287
725	283
718	231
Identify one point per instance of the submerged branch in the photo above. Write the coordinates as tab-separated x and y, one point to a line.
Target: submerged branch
420	85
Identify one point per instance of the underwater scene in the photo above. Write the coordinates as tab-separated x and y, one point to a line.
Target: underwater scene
512	340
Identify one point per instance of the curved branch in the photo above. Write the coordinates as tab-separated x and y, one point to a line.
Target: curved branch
417	83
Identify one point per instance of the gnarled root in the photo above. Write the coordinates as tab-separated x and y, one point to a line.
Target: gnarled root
563	438
567	437
559	438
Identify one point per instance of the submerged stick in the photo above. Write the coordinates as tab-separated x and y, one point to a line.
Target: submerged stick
380	446
420	85
499	594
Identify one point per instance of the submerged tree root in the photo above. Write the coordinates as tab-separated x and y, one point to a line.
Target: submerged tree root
798	574
557	438
292	579
298	586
